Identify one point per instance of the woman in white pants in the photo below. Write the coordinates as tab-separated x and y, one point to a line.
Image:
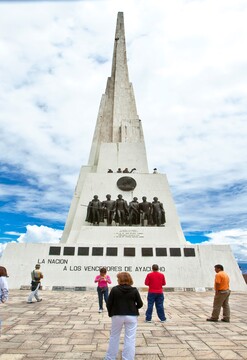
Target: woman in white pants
122	305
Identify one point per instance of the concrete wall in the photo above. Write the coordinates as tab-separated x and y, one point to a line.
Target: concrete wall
181	272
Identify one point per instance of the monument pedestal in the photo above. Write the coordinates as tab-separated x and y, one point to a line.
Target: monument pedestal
75	266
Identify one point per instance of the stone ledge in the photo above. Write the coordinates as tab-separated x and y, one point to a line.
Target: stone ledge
85	288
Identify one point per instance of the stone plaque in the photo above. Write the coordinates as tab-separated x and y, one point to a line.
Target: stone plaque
147	252
161	252
189	252
126	183
54	250
83	251
68	250
111	251
175	252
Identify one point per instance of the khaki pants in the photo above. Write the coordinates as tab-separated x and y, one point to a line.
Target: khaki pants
221	300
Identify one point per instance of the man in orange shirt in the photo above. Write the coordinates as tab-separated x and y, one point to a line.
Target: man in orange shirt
221	297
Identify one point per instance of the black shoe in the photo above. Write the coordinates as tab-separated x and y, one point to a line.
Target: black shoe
213	320
39	300
225	320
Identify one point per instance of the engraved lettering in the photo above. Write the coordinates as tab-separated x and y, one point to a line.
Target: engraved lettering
57	261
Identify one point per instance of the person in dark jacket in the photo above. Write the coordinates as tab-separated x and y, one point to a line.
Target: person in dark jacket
122	305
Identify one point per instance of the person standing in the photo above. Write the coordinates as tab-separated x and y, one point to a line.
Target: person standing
102	289
4	289
155	281
36	276
222	294
122	305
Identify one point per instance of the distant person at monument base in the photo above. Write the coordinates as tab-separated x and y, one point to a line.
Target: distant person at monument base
222	294
102	289
36	276
155	282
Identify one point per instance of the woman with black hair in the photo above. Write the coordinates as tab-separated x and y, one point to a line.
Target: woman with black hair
102	289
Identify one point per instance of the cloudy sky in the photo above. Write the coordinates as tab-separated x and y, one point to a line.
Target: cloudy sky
187	61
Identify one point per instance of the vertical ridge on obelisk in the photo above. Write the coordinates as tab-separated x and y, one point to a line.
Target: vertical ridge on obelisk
118	121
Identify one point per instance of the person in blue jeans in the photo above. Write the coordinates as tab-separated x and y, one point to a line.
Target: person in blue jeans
155	282
103	280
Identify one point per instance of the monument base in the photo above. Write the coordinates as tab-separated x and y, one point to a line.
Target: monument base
75	266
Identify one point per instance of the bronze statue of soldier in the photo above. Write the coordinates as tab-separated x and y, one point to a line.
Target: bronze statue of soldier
145	208
134	215
94	211
122	210
158	212
109	208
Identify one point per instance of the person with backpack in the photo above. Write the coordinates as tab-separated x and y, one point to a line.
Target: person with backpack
36	276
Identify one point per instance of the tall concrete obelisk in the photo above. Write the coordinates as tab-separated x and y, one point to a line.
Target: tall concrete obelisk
118	124
120	245
118	142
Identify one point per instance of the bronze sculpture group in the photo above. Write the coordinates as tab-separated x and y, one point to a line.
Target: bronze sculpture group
145	213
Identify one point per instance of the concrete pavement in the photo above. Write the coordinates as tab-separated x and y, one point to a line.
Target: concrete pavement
67	325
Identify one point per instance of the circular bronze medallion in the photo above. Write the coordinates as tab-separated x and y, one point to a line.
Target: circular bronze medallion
126	183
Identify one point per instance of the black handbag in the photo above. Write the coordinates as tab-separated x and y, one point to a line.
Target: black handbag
34	285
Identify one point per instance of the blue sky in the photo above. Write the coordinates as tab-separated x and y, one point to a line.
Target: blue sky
188	65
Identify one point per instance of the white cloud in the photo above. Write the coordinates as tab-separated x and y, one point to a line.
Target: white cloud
40	234
12	233
236	238
35	234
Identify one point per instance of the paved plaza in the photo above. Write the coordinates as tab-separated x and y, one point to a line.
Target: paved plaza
67	325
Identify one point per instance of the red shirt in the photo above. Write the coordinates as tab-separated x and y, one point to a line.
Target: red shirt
155	280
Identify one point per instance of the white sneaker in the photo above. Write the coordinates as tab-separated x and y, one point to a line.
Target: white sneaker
163	321
100	310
